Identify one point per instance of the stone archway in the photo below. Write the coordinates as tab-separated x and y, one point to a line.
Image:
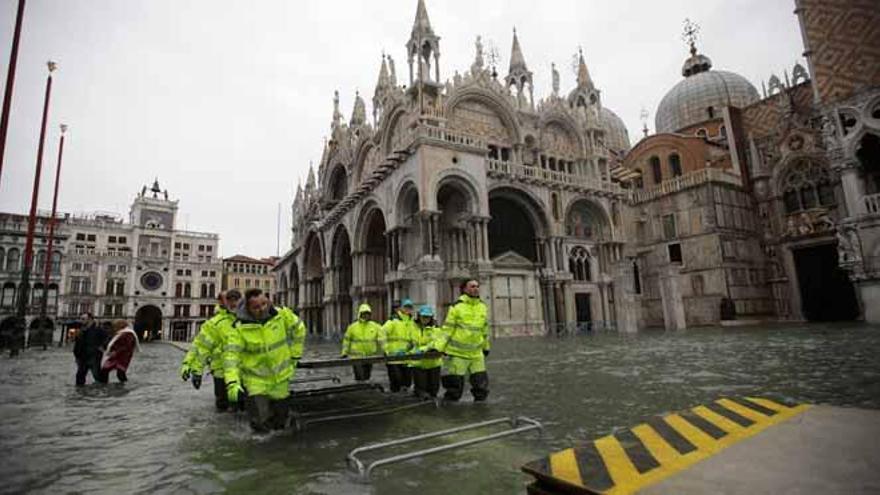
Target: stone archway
313	297
148	322
454	239
373	263
341	271
409	242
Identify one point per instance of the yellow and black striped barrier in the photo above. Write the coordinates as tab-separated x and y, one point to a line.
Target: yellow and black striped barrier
635	458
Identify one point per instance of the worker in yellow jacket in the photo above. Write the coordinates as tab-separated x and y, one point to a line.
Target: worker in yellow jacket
466	346
260	357
207	348
396	339
428	336
362	340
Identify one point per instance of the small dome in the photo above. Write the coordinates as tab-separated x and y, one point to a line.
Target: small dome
616	135
689	102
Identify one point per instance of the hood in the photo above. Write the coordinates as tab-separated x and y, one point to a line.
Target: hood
245	317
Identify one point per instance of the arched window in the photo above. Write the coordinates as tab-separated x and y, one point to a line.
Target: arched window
178	290
120	287
12	258
655	169
203	291
109	287
2	258
703	133
579	264
212	290
56	263
53	294
39	262
187	290
7	297
675	164
807	185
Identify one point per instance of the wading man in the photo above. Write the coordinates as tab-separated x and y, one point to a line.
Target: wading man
260	357
207	349
467	345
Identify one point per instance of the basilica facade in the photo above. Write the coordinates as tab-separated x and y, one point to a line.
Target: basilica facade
722	214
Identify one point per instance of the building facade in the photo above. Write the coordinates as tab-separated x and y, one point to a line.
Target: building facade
472	177
163	279
741	206
243	273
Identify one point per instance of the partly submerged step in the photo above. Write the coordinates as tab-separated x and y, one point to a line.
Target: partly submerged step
632	459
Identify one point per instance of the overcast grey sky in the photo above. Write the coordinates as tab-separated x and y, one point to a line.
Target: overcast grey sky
226	102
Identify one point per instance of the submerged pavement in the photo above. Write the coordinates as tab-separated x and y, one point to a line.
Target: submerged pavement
157	434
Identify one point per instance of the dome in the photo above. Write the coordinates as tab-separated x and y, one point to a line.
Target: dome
616	135
689	101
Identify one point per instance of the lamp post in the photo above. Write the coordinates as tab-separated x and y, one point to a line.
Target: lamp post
10	80
48	267
24	288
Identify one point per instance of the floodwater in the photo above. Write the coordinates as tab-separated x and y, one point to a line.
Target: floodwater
156	434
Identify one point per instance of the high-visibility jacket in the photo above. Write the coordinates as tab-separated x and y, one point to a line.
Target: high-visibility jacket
467	328
262	355
427	338
207	348
396	334
362	337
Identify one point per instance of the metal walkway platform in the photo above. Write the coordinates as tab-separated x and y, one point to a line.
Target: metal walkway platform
740	456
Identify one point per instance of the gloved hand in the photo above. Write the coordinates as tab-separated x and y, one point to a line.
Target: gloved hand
197	381
485	352
233	389
344	356
185	372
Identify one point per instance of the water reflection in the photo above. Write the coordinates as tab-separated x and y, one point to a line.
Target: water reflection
157	434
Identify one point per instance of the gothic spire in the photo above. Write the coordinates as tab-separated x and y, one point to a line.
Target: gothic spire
337	115
517	61
583	79
422	24
359	112
384	79
422	47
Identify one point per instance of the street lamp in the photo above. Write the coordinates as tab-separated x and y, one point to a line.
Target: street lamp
10	80
48	266
24	288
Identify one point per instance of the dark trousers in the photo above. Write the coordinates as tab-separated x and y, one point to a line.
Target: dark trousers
86	365
220	398
454	385
399	376
426	382
120	375
362	371
267	414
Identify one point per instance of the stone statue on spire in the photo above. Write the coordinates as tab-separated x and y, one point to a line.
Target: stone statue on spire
555	74
478	58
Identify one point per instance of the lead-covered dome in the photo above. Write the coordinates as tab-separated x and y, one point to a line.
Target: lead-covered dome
616	135
701	95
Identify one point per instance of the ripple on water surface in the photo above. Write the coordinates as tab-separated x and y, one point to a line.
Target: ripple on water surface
158	435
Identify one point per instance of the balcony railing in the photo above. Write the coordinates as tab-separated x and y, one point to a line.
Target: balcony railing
518	170
872	204
686	181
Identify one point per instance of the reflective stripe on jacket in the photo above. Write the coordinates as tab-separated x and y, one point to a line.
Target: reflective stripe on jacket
207	348
466	328
263	355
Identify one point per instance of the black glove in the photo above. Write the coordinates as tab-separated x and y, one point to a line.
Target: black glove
485	352
196	381
344	356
